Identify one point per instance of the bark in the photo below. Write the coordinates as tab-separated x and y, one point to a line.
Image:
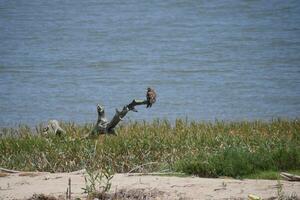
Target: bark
53	127
289	177
104	127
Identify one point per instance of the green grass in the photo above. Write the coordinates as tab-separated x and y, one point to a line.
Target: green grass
271	175
235	149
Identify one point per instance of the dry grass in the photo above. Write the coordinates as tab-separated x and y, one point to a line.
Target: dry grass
234	149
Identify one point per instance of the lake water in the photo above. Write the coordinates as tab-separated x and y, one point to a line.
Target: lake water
226	60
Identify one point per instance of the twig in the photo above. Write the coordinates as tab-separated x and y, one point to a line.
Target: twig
69	188
9	170
138	167
155	174
67	194
82	171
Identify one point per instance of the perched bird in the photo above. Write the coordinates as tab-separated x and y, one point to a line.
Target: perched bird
151	97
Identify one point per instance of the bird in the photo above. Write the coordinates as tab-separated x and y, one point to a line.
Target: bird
151	97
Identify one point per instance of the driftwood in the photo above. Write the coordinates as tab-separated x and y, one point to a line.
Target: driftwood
53	127
141	166
289	177
103	126
8	170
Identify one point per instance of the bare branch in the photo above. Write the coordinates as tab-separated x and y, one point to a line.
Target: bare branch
104	127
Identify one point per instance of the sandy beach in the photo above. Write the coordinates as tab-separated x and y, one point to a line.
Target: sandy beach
25	185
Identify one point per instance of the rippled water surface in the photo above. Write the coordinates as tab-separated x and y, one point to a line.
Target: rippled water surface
207	59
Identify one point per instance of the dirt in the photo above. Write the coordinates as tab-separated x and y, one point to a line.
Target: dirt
54	186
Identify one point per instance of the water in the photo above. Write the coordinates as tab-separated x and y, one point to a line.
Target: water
230	60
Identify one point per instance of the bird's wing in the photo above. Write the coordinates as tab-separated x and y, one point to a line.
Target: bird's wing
152	97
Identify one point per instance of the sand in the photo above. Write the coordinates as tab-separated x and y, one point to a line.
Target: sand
25	185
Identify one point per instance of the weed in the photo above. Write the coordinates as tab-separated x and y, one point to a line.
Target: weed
98	183
281	195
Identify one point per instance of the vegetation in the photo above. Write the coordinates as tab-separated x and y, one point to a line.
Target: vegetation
97	184
207	149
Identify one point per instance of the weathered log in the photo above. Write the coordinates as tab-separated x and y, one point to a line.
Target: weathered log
104	127
53	127
8	170
121	114
289	177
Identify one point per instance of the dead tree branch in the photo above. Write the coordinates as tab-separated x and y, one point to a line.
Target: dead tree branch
104	127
